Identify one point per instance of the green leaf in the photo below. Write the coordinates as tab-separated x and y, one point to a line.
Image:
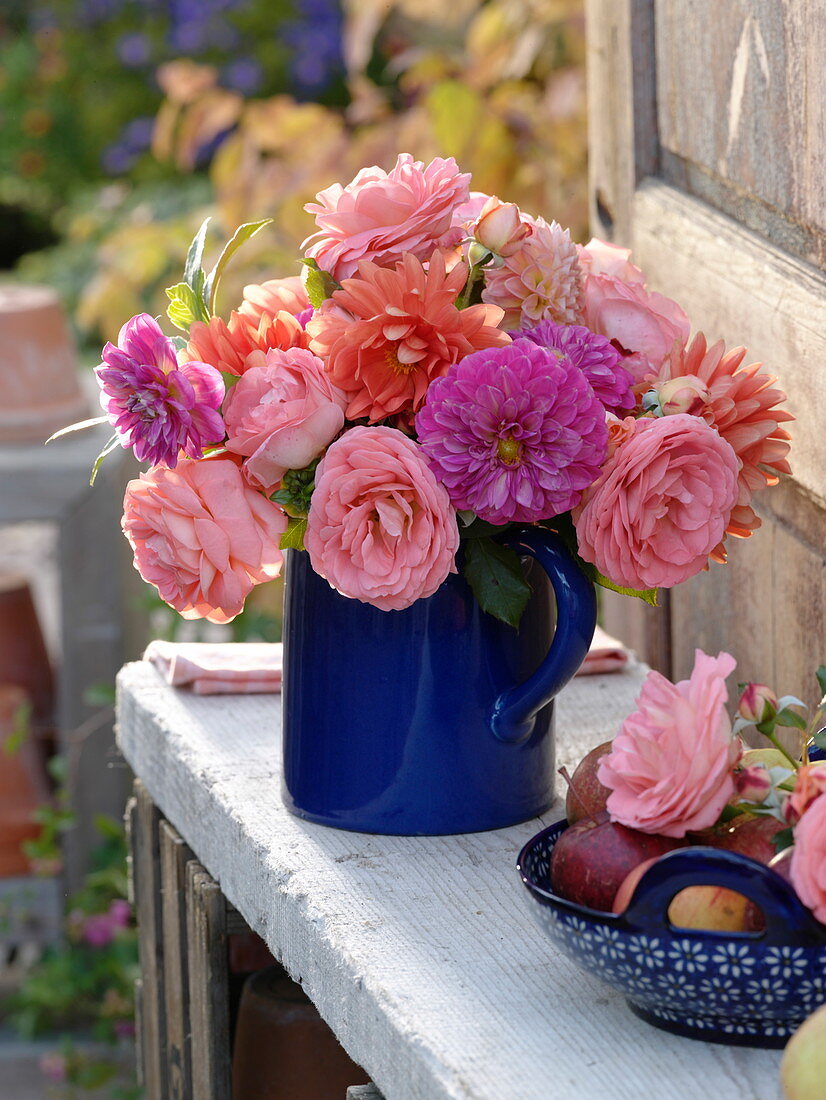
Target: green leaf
242	234
495	575
194	266
320	285
79	427
819	739
293	537
481	529
648	595
107	450
783	838
788	717
185	306
821	680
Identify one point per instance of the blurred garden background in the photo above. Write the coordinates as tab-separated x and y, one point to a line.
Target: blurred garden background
124	124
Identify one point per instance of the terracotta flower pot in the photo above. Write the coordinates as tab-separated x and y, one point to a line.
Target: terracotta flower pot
22	786
283	1049
24	659
38	365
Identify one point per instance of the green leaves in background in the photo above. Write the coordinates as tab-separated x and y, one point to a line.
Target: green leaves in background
495	575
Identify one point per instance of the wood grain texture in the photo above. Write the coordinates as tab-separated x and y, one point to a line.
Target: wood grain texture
174	856
421	953
208	986
741	92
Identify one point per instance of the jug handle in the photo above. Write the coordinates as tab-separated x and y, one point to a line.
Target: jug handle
514	712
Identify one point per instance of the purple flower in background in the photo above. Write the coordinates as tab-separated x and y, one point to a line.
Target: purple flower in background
157	406
134	50
514	434
595	356
118	158
315	38
244	75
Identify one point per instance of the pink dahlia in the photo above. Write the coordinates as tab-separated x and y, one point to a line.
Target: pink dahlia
380	528
661	504
388	333
669	770
242	343
540	281
594	355
742	405
380	215
514	433
158	406
202	536
273	296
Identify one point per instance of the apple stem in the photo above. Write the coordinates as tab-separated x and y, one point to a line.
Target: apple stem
572	787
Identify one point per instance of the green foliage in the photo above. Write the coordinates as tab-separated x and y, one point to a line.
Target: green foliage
495	575
293	537
320	285
296	491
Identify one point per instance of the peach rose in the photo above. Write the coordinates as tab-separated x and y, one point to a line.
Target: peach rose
661	504
669	770
381	215
603	258
810	783
808	867
273	296
499	227
380	528
647	327
202	536
281	415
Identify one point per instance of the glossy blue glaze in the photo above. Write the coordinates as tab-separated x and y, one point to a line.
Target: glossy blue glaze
436	719
745	989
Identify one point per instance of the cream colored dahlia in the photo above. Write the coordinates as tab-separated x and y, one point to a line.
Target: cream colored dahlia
742	406
541	281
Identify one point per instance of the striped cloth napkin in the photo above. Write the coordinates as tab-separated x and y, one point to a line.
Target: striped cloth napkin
232	668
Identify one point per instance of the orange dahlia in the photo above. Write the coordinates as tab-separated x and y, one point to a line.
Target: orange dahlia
741	405
229	346
387	333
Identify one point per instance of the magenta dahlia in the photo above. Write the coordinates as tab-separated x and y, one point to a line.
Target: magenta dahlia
158	406
595	356
515	434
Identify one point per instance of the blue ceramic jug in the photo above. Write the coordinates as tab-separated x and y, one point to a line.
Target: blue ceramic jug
436	719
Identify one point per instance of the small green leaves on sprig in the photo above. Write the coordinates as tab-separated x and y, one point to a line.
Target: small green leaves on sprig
759	707
320	285
495	575
296	490
194	298
816	726
472	291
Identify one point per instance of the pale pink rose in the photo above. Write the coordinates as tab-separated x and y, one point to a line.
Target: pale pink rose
282	414
499	227
645	326
810	783
808	866
669	770
603	258
380	528
380	215
202	536
273	296
661	504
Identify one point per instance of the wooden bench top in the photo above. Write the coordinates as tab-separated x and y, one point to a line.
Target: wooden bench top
421	953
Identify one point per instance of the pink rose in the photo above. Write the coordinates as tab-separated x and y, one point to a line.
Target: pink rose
669	770
380	216
202	536
808	867
380	528
273	296
661	504
810	783
499	227
603	258
281	415
645	326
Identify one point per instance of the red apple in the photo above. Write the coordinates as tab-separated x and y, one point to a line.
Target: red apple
748	834
709	907
592	857
586	795
782	864
629	885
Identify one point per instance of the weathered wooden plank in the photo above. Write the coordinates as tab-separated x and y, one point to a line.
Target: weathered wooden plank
741	91
143	825
644	629
175	855
208	986
421	953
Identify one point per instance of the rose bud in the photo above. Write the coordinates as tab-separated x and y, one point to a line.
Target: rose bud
757	703
500	228
688	394
752	783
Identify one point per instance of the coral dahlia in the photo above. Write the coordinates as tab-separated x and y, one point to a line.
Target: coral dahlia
514	433
157	406
231	347
742	405
540	281
595	356
388	333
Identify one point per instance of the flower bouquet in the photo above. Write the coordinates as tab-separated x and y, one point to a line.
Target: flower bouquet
693	871
451	384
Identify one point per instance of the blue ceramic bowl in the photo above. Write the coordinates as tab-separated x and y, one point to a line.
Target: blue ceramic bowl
748	989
